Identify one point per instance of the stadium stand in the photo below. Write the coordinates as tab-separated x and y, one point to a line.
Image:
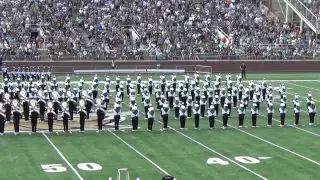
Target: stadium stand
149	29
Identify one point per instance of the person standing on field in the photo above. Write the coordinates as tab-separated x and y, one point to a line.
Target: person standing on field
243	68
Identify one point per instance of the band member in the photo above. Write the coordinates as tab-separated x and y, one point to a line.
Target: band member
176	106
105	96
146	104
89	104
282	90
207	78
83	114
183	117
163	83
229	102
34	115
251	89
25	105
116	116
150	84
128	82
100	114
189	106
282	111
168	87
171	96
165	116
8	107
158	96
71	104
50	114
270	113
2	119
254	113
65	116
309	99
197	78
179	90
187	81
95	90
203	104
229	87
184	96
222	97
241	114
257	99
42	106
215	104
174	81
212	116
196	113
296	111
192	89
150	118
243	68
135	118
117	83
162	101
139	83
312	112
197	94
225	116
235	97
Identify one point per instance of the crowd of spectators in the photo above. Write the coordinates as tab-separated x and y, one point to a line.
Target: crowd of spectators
172	28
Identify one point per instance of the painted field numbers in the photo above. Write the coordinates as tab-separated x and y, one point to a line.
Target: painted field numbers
57	168
240	159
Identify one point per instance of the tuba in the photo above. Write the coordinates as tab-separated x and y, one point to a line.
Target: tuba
81	104
33	103
64	106
15	104
99	102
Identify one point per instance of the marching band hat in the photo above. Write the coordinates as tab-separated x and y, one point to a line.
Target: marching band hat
254	105
211	107
241	105
165	105
312	102
225	105
196	105
282	104
183	107
297	104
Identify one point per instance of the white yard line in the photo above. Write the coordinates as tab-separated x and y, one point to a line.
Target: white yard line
62	156
135	150
303	86
275	145
212	150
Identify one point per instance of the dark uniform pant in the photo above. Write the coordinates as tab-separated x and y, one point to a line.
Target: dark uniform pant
225	119
202	109
189	110
150	123
165	120
282	118
82	122
270	119
16	124
311	117
34	125
196	120
100	123
183	121
2	124
176	112
116	122
297	117
135	121
50	124
65	124
254	120
211	121
241	119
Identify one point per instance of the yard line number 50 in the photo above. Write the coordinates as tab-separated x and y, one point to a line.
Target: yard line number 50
56	168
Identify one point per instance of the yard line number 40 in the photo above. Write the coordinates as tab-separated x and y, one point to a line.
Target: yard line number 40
56	168
241	159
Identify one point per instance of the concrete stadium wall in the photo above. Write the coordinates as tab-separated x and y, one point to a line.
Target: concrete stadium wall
217	66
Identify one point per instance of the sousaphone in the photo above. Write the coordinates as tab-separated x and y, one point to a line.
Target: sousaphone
82	103
15	103
64	105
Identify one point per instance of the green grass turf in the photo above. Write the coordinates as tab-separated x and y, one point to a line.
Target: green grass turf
183	154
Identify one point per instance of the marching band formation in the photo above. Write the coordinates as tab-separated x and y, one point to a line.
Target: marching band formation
32	98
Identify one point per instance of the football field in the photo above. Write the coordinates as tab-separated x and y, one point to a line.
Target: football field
289	153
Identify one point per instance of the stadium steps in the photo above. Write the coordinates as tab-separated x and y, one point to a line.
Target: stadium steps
305	14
